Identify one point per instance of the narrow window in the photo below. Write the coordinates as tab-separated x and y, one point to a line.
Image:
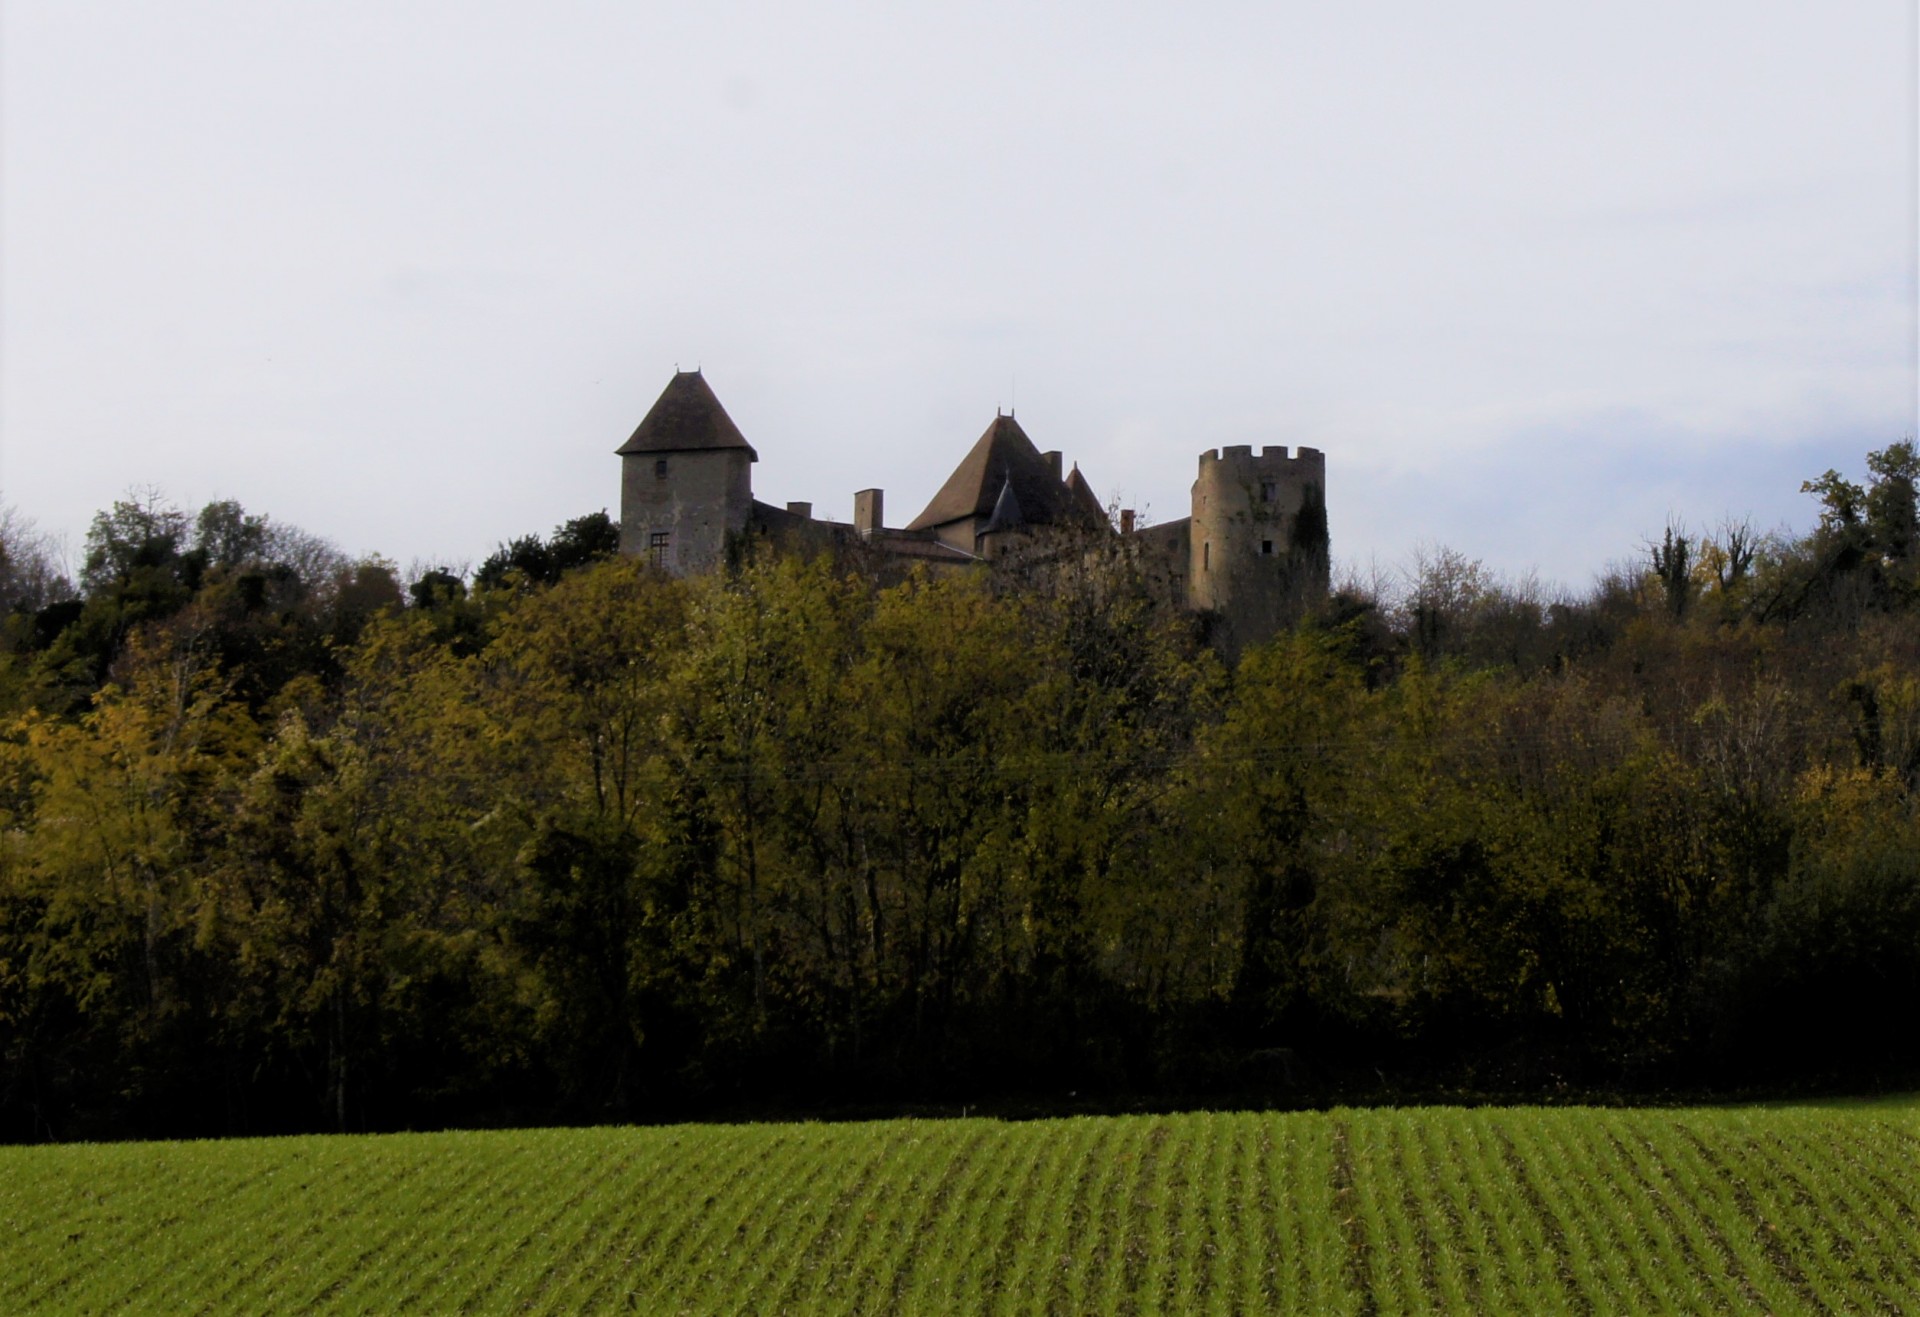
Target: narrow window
1206	556
1266	548
657	546
660	469
1268	489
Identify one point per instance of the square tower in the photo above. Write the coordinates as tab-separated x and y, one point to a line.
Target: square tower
686	480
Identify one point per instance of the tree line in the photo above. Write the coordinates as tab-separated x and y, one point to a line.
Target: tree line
291	843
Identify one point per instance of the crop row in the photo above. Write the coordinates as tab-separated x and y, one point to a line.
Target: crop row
1388	1211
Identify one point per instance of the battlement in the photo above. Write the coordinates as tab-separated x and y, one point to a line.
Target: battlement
1273	459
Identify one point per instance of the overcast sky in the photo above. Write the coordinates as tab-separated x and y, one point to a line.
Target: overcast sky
1534	277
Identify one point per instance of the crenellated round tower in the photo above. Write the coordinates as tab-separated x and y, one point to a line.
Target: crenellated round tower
1258	538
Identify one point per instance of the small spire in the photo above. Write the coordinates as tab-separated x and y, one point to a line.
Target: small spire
1006	509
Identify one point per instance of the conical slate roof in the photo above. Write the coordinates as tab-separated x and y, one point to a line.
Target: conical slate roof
1003	459
687	418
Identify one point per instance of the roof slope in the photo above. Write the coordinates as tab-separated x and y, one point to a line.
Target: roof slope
1003	459
687	417
897	544
1083	496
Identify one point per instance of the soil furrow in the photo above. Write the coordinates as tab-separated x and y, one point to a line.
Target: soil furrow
1346	1199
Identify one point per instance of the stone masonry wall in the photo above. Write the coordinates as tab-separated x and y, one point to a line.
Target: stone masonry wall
699	499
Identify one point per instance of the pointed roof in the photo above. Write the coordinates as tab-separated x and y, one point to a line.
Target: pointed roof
1002	460
686	418
1006	509
1084	499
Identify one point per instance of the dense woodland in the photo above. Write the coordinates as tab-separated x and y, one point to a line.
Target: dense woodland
291	842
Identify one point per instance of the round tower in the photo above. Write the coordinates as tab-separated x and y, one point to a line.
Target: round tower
1258	539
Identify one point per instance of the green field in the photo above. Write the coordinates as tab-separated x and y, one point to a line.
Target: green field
1781	1209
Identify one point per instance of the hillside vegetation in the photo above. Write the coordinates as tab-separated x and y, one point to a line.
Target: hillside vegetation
1515	1210
285	846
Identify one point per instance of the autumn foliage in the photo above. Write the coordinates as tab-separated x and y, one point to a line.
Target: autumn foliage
288	846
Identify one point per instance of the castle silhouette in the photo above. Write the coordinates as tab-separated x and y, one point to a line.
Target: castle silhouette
1252	552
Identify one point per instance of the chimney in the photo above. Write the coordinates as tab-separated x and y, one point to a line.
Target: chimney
801	510
867	514
1053	463
1126	521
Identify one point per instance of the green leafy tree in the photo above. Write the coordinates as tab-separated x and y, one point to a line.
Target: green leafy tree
1890	501
106	890
583	540
576	693
573	545
1672	562
1279	769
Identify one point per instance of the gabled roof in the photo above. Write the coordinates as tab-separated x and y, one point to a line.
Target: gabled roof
687	418
1003	459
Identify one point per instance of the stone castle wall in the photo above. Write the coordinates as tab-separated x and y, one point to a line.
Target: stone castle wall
695	499
1251	558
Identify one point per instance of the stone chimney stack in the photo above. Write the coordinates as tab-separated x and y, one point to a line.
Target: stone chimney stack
1126	521
799	509
867	514
1053	463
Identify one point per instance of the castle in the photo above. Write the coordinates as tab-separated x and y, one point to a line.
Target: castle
1252	553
